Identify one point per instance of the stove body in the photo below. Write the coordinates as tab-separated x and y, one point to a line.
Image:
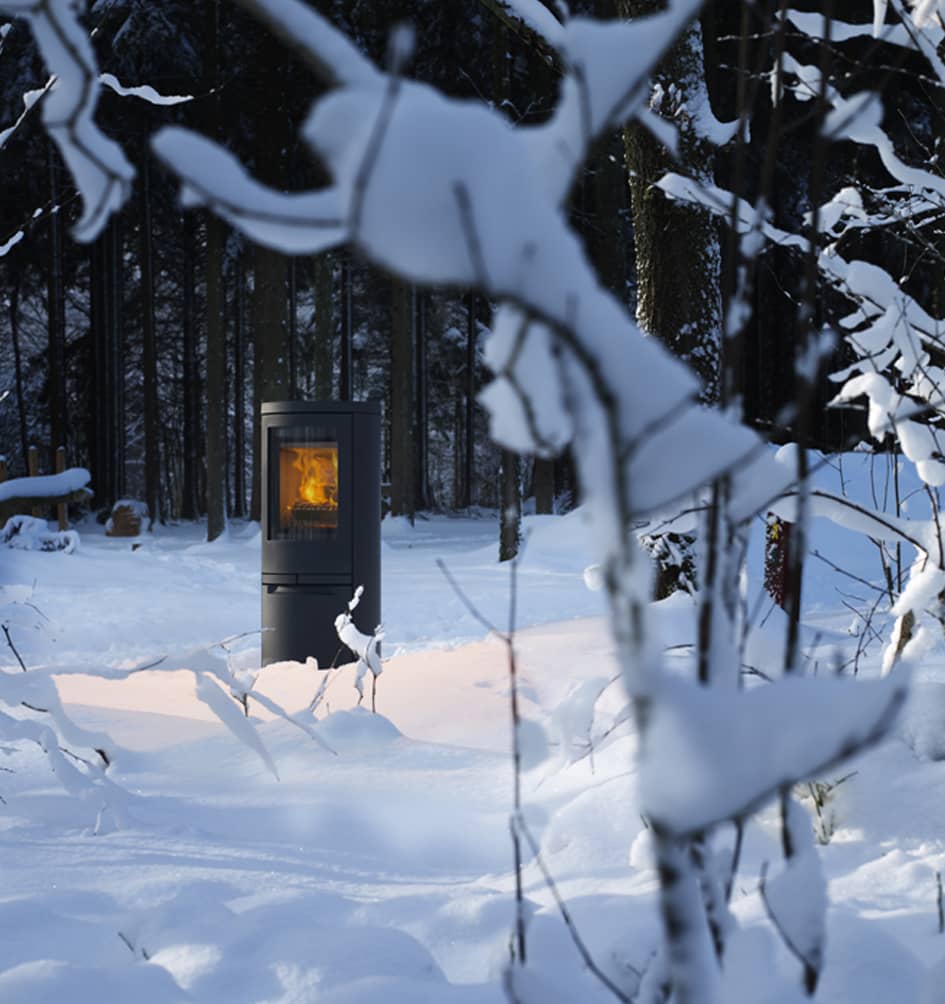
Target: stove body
321	525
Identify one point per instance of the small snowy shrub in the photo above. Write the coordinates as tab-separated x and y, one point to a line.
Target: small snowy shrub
821	794
27	533
365	646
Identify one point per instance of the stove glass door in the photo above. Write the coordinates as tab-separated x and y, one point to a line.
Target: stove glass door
307	490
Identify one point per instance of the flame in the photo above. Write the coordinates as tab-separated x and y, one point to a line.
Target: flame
318	467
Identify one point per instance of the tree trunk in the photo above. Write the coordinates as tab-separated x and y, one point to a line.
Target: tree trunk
152	458
402	441
292	332
678	251
270	326
239	394
347	330
458	454
271	348
116	333
469	453
510	506
190	506
55	315
95	399
543	482
677	245
323	360
510	475
18	366
255	500
216	381
103	449
423	493
216	321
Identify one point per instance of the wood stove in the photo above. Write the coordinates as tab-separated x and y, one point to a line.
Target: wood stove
321	522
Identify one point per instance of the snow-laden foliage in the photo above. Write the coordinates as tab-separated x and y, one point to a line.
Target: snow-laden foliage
364	646
896	342
99	168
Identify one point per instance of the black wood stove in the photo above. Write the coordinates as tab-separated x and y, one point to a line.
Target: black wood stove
321	523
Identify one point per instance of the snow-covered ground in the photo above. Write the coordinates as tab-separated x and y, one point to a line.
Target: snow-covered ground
382	871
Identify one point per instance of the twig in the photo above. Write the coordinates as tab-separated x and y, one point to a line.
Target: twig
153	664
467	602
576	938
371	154
939	903
811	972
736	857
473	241
516	761
843	571
519	946
131	948
6	631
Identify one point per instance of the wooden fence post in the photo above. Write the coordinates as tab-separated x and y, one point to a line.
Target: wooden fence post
62	511
32	466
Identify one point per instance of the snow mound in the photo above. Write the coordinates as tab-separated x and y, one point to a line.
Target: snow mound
923	721
396	526
866	965
47	980
357	727
27	533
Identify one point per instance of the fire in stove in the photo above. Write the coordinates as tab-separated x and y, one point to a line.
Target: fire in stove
308	488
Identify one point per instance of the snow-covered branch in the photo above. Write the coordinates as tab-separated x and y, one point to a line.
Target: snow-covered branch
99	167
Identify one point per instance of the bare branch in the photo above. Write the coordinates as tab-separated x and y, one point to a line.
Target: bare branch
811	971
98	165
568	919
13	649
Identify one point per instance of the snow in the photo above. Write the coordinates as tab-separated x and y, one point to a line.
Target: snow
11	242
384	871
537	16
709	758
27	533
143	91
46	485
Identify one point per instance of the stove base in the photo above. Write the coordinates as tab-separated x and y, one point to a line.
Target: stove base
299	621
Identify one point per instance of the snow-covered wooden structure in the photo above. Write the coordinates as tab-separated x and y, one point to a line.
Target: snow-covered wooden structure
19	496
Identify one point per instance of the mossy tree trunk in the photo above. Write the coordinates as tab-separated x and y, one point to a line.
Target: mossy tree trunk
677	246
678	250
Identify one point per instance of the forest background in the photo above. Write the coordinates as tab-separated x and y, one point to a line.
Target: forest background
146	353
